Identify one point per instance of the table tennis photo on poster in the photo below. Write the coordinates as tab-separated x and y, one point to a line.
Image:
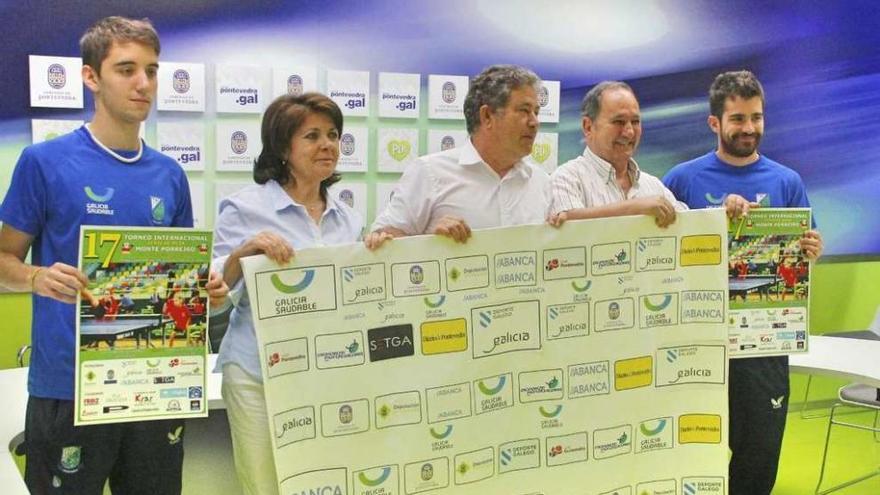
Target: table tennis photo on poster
769	279
142	324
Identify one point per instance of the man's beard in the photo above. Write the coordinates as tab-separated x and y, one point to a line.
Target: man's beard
731	147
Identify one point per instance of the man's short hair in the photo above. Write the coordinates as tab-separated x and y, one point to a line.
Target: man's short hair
492	87
740	83
96	42
592	102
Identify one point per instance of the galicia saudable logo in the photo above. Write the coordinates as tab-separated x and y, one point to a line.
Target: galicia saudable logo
180	81
390	342
440	435
99	198
308	277
650	432
713	200
448	92
434	303
658	307
239	142
492	390
347	144
382	478
295	85
550	413
56	76
580	288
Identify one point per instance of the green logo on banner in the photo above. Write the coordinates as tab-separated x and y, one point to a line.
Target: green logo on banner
551	413
362	477
649	432
657	307
441	435
494	390
436	303
293	289
581	288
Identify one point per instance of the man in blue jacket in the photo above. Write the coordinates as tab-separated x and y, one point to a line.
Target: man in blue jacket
100	174
758	389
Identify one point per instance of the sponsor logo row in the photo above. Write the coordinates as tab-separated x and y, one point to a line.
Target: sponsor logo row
135	386
520	455
768	330
670	366
314	288
491	330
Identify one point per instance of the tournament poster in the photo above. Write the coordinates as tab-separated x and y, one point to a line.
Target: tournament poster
142	324
769	279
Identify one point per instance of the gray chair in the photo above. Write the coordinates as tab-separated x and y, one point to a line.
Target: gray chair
855	396
857	334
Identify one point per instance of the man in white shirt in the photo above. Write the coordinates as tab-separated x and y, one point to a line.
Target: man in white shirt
606	181
483	183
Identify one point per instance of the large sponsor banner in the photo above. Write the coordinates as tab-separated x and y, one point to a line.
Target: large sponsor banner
142	324
769	280
528	360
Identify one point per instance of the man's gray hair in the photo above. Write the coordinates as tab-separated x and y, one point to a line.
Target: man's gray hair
590	106
492	87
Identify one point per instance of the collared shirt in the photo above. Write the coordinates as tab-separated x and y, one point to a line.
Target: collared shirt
268	207
589	181
458	182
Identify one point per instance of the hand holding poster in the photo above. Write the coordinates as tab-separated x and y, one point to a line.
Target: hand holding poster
769	280
585	359
142	324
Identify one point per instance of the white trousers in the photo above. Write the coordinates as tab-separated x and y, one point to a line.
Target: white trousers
249	427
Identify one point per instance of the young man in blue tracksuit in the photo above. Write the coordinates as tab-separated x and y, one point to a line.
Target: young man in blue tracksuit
100	174
758	389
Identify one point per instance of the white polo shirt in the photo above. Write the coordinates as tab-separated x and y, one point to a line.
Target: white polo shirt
588	181
459	183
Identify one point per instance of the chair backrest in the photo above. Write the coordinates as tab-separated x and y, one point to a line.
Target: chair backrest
23	356
858	394
875	325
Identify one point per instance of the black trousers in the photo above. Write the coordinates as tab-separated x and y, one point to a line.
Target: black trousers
139	458
758	394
